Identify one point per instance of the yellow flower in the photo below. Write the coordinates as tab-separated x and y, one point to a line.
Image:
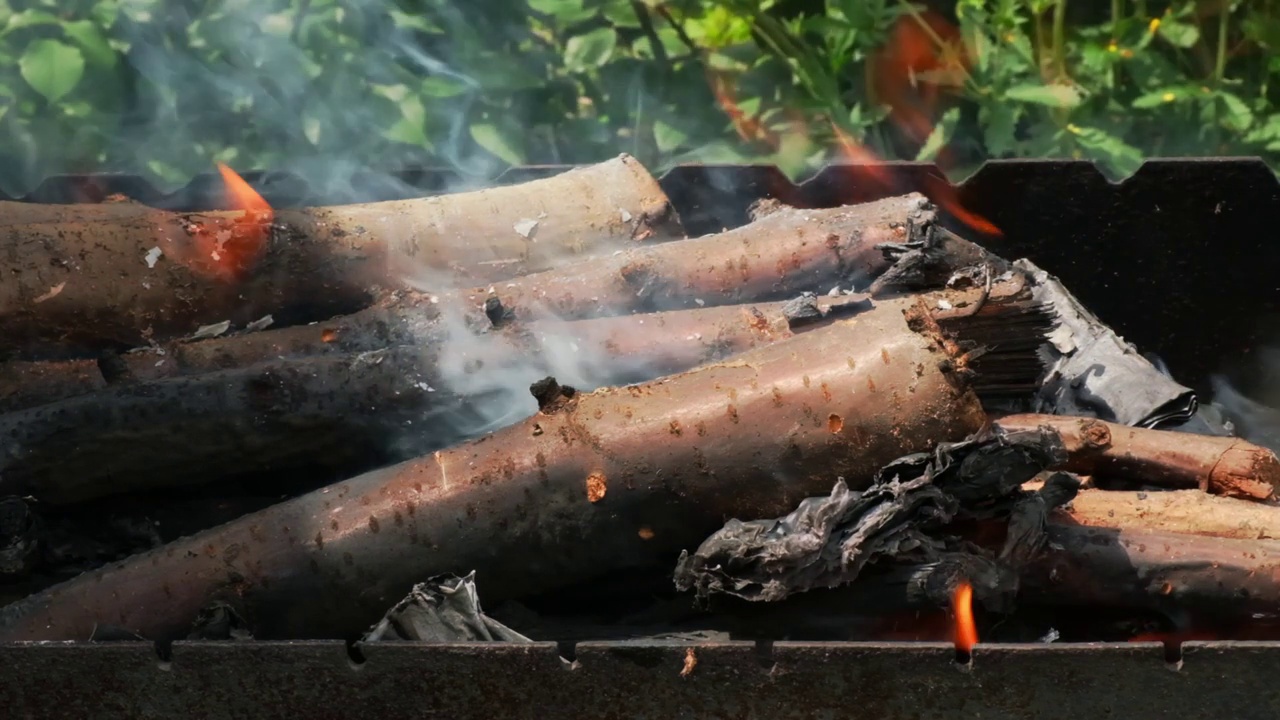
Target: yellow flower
1155	25
1112	47
1167	97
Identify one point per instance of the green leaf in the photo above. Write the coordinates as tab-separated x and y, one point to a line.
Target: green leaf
437	86
668	137
1239	117
421	23
409	128
51	68
591	50
1163	96
564	12
1115	154
621	14
940	136
999	121
1181	35
1059	96
89	37
491	138
30	18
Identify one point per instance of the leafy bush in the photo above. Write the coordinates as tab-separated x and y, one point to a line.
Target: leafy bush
326	86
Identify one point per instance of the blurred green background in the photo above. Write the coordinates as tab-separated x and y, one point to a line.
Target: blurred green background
326	86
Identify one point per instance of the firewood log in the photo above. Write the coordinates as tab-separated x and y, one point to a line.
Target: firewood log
1219	465
593	483
1196	581
114	277
329	399
777	256
1176	511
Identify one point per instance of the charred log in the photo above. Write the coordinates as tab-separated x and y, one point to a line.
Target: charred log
617	478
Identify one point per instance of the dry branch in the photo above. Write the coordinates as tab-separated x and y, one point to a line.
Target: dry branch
777	256
1175	511
330	400
116	277
1219	465
617	478
25	384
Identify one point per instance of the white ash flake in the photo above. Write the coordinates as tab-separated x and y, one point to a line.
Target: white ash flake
944	305
53	292
425	387
159	362
210	331
261	323
626	216
834	292
525	228
146	286
152	256
700	302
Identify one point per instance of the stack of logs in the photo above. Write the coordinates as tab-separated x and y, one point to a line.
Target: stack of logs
396	375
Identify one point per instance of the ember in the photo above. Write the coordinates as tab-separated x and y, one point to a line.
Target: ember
840	422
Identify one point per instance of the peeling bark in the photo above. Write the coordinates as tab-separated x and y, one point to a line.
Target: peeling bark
613	479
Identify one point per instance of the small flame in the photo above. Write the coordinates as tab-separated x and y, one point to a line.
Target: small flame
242	196
966	629
226	248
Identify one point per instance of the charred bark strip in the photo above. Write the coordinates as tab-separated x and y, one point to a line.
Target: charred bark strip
26	384
1219	465
1177	511
116	277
229	408
617	478
777	256
1195	580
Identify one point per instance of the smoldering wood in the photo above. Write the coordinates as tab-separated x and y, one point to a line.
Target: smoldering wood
777	256
113	278
1219	465
393	385
1175	511
1199	582
617	478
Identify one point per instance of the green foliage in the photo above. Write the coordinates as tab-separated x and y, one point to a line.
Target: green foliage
167	88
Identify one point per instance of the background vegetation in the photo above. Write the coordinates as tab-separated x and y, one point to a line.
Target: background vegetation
165	88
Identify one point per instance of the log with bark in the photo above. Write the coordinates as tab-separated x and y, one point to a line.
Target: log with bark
781	253
1198	582
327	401
1219	465
117	277
1174	511
614	479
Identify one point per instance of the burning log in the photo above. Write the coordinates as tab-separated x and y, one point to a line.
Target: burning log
614	479
1219	465
117	277
234	407
1174	511
779	255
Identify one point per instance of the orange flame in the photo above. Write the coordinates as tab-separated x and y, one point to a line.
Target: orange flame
224	247
241	195
923	60
966	635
